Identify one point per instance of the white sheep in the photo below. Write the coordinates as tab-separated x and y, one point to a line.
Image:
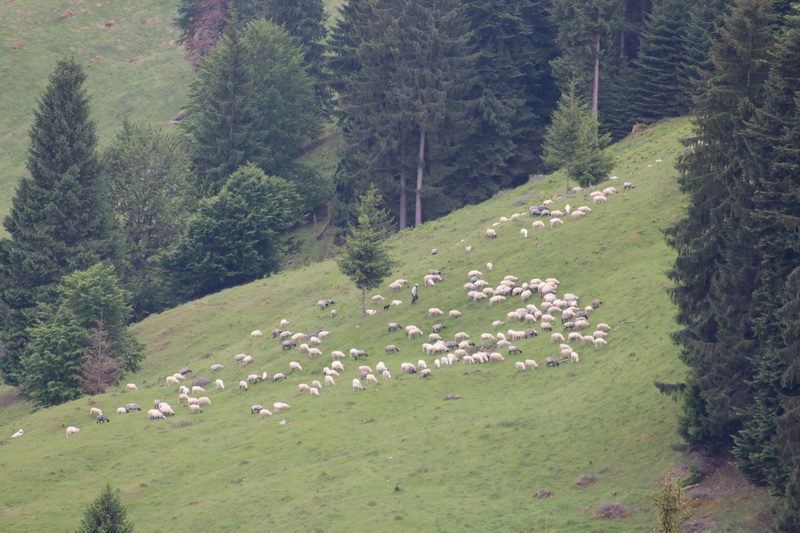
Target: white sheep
247	360
19	433
495	357
603	327
386	375
337	355
131	386
220	384
531	363
280	406
256	334
454	313
195	408
487	337
183	397
491	234
155	414
303	348
95	412
314	392
165	408
198	388
396	302
299	336
554	221
72	430
329	381
264	413
243	385
434	311
303	387
294	365
468	249
193	401
172	380
556	337
314	352
338	366
217	367
600	342
121	410
204	400
537	224
519	366
239	357
357	386
523	233
371	378
316	384
468	359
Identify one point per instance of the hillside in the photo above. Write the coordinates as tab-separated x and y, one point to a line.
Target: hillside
398	456
134	68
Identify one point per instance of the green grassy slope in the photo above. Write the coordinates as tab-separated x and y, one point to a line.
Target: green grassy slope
398	457
134	67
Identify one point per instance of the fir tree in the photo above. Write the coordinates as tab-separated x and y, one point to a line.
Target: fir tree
703	22
658	63
106	514
59	221
572	142
365	259
716	265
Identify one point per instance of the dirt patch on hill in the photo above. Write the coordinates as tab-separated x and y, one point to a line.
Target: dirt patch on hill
10	399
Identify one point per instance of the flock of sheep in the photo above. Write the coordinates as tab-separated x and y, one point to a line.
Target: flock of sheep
539	304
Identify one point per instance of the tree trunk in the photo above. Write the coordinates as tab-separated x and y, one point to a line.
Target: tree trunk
403	201
420	169
596	81
363	300
566	186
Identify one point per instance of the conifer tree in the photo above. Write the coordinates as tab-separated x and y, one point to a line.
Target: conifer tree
365	259
572	142
658	64
716	265
59	221
106	514
703	22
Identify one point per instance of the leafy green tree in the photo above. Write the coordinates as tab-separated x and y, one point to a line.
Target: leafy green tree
152	197
59	221
237	235
717	262
365	259
253	102
658	64
572	142
106	514
61	336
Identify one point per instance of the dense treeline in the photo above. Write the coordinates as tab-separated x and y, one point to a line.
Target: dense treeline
440	104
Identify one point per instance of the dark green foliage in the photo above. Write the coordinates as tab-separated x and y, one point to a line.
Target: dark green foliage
703	22
658	65
617	115
152	197
716	267
572	142
237	235
106	514
514	96
365	259
252	103
87	300
59	221
403	109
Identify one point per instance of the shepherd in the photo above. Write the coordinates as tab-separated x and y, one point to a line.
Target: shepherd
414	296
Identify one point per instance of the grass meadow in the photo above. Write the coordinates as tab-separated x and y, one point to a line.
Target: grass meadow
399	456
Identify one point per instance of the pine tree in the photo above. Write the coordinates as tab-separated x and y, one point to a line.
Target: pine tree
106	514
572	142
658	63
703	22
365	259
716	265
59	221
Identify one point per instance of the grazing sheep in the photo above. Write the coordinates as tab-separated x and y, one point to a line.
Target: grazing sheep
316	384
392	348
556	337
197	388
288	345
433	311
183	397
314	392
256	334
371	378
239	357
546	326
425	373
523	233
242	385
338	366
264	413
531	363
552	361
603	327
276	332
278	377
70	431
337	355
303	387
220	384
280	406
468	249
155	414
102	418
323	304
371	312
294	365
495	357
357	386
554	221
454	313
248	359
396	302
513	349
408	368
491	234
172	380
131	386
574	357
285	334
217	367
166	409
333	313
314	352
195	409
255	408
95	412
519	366
204	400
600	342
303	348
121	411
329	381
386	375
513	315
133	407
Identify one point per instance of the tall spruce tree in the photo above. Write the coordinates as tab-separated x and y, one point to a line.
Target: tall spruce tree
514	96
767	446
106	514
716	265
658	64
59	221
702	25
